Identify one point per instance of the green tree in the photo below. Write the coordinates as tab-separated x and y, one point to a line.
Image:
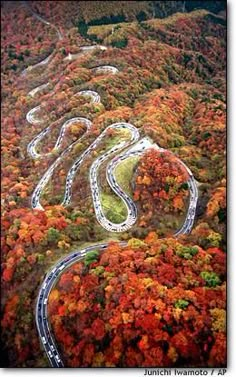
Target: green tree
82	28
211	278
122	43
53	235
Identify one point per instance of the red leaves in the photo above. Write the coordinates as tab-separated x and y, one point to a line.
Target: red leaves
37	236
143	343
218	260
218	351
151	238
154	357
24	353
159	184
31	259
98	328
133	282
147	323
88	353
25	229
64	337
66	280
138	314
8	273
58	223
166	274
133	358
185	345
62	310
10	311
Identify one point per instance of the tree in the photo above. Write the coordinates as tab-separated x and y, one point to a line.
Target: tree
82	28
121	43
53	235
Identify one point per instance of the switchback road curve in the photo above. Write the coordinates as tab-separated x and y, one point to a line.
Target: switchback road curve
136	148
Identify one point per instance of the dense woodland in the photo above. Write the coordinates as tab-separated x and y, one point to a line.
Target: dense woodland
160	298
154	303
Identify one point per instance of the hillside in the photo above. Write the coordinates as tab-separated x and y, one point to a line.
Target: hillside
164	77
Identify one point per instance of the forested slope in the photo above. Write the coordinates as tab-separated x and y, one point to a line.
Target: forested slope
171	86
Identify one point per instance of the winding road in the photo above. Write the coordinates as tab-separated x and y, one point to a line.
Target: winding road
43	326
123	150
38	89
25	3
140	147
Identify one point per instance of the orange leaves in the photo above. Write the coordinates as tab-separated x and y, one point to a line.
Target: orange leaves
121	113
212	207
53	303
20	187
81	306
162	194
37	236
9	270
143	343
10	262
136	195
19	252
54	295
178	202
58	223
62	310
218	351
76	279
160	183
25	229
24	194
29	231
10	311
146	180
217	201
24	236
145	296
72	308
31	259
127	317
75	129
12	203
7	274
81	221
162	112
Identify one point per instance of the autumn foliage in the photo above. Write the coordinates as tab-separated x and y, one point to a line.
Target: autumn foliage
156	301
156	304
161	182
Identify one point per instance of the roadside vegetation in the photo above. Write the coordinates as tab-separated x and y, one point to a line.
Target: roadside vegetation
171	86
124	173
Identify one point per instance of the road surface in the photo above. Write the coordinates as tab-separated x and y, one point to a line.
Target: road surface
136	147
59	34
41	315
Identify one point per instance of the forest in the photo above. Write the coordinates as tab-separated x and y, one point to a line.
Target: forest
149	298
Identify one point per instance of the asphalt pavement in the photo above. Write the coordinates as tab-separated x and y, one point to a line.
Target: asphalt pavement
122	151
